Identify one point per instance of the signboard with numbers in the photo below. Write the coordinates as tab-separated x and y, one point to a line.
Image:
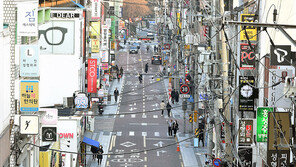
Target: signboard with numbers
29	96
29	60
184	89
27	16
262	123
245	133
29	124
251	31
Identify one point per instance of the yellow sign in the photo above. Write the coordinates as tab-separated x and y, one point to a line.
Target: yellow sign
29	96
251	31
195	116
187	47
95	46
179	22
95	29
112	45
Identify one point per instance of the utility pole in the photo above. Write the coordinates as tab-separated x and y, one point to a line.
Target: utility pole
227	114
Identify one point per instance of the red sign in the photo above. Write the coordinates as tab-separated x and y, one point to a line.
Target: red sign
184	89
66	135
92	76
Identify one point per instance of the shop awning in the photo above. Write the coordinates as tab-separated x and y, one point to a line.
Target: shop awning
91	142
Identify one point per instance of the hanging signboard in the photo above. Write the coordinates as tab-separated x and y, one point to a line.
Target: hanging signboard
246	93
50	117
105	38
95	43
81	101
29	124
29	60
245	154
95	29
104	56
96	9
92	76
262	123
250	30
245	132
276	93
108	22
280	158
27	17
29	96
247	57
49	134
278	131
280	55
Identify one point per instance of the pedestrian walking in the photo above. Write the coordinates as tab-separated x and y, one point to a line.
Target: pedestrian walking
100	154
121	71
175	127
116	68
146	67
147	49
116	93
169	107
173	95
94	150
177	96
140	78
162	107
201	134
170	125
118	75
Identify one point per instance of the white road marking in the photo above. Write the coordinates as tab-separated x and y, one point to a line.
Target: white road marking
119	133
144	133
132	133
156	133
144	124
144	116
144	141
121	116
133	115
155	116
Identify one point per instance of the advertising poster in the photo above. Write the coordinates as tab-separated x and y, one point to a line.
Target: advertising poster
50	117
276	93
246	93
57	37
247	57
29	96
95	46
245	132
262	123
27	17
95	29
104	56
29	60
29	124
96	9
280	55
251	30
92	76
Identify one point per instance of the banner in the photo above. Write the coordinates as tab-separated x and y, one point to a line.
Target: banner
27	17
246	93
95	46
29	60
104	56
251	30
92	76
29	96
247	57
262	123
280	55
96	9
245	132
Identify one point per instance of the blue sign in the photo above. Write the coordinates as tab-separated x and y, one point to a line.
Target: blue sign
217	162
81	101
203	97
151	22
190	99
29	61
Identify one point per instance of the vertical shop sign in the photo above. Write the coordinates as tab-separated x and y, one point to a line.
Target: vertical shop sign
246	93
96	9
29	96
105	38
262	123
92	76
245	133
27	16
29	60
278	158
95	46
251	31
247	57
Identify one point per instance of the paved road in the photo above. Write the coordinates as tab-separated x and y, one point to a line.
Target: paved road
140	131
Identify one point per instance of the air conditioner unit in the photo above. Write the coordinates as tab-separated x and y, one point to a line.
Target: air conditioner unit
68	102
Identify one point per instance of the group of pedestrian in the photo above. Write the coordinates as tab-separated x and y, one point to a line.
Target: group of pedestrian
164	106
173	127
97	153
119	72
175	96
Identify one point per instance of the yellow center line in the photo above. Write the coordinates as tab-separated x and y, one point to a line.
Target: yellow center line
145	159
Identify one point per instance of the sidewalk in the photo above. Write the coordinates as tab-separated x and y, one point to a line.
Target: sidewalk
191	156
104	125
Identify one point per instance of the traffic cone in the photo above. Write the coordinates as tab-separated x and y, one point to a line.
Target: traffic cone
178	147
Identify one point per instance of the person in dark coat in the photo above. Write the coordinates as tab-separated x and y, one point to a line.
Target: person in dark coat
201	134
169	107
100	154
140	78
175	127
146	67
177	97
173	95
116	68
116	93
94	150
121	71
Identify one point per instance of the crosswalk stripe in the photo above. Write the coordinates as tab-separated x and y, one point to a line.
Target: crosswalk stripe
121	116
155	116
144	116
119	133
156	133
133	115
144	133
132	133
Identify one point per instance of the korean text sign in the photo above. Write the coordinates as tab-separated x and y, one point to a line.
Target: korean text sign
96	9
27	17
92	76
95	46
29	60
245	132
251	31
262	123
29	96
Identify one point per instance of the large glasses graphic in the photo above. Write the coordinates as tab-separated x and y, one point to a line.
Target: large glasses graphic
53	35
